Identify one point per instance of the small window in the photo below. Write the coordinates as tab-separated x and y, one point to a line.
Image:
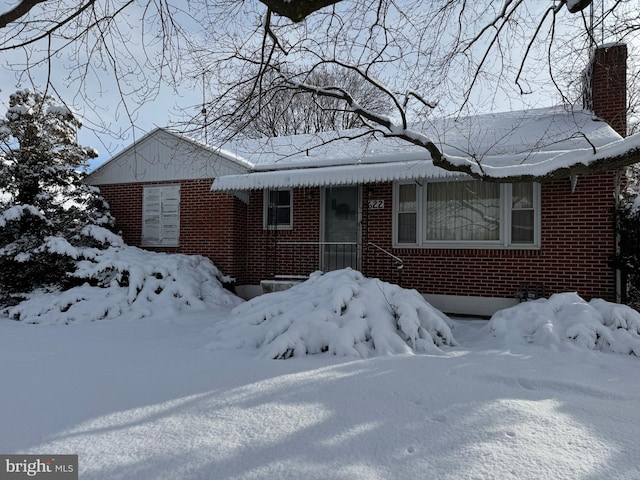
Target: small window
278	209
407	213
161	215
522	213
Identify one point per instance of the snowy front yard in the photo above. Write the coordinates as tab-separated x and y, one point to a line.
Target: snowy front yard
157	372
151	399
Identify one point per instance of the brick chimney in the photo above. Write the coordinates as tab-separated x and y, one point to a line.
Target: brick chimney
606	92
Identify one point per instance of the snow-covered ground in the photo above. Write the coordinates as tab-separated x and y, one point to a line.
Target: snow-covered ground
160	395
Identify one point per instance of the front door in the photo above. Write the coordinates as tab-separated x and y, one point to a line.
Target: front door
340	228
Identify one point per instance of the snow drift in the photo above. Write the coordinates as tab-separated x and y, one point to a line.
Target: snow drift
125	280
567	319
340	312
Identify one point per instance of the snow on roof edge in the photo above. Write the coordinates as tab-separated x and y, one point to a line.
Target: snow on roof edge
537	164
332	175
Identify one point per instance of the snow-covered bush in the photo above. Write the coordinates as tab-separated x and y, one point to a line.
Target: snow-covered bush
566	318
44	207
123	280
340	312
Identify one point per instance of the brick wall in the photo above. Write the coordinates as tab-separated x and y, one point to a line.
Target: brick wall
577	240
212	224
267	253
125	202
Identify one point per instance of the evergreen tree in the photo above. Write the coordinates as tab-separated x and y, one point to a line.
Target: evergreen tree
627	223
46	212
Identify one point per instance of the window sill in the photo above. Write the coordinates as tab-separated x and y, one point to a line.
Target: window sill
278	227
466	246
169	245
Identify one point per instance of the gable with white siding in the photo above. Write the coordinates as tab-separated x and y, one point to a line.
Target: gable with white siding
162	156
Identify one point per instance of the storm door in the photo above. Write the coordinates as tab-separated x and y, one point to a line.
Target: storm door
340	245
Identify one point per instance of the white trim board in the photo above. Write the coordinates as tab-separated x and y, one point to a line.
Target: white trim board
451	304
469	305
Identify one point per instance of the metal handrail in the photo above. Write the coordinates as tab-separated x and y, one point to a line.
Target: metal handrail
397	259
386	252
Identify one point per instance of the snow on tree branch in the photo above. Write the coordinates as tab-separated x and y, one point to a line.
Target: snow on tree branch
46	208
427	58
583	161
586	161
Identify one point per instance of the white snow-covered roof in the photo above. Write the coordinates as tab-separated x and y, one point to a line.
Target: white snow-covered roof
532	142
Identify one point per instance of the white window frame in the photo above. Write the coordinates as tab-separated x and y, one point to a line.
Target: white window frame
504	241
167	215
265	210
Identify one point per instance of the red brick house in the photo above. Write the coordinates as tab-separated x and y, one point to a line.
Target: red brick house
286	207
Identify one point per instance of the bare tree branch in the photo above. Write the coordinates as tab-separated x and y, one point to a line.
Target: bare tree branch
20	10
56	26
426	59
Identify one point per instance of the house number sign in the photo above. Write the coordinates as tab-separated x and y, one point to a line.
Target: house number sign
376	204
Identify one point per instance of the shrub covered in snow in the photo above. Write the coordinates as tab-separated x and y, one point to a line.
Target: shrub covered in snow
123	280
566	318
340	312
45	208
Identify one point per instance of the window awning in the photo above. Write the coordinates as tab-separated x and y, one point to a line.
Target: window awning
331	175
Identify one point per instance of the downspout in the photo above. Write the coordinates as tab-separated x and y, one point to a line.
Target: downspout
365	195
618	273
